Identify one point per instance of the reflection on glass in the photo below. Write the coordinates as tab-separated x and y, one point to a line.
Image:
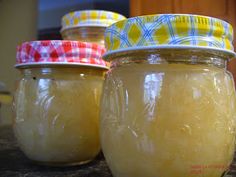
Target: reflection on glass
152	88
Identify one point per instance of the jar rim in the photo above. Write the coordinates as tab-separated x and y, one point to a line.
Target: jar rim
83	26
228	53
32	64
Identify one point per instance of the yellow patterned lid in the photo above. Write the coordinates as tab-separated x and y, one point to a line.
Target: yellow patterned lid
169	31
98	18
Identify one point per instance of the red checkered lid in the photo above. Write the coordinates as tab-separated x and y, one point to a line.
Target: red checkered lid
60	52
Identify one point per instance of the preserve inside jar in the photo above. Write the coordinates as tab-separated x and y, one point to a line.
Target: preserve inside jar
57	112
91	34
172	116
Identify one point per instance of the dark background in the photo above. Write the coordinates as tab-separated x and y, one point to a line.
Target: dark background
51	11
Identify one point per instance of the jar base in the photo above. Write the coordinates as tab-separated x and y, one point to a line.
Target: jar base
61	164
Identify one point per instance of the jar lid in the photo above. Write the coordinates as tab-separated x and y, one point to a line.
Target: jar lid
60	52
95	18
169	31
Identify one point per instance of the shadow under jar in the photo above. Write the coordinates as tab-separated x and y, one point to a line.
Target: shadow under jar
57	104
167	111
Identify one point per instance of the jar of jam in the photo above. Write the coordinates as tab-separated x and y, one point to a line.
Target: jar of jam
57	101
169	104
88	25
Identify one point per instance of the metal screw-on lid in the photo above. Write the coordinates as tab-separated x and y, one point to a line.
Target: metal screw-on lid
60	52
96	18
169	31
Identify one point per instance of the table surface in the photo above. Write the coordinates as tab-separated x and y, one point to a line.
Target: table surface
13	163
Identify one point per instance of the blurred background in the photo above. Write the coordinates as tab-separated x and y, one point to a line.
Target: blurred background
26	20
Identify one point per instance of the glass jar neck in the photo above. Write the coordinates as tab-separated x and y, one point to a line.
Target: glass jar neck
61	70
165	56
86	34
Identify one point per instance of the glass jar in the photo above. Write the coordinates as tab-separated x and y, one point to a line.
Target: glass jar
88	25
57	101
85	34
168	109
